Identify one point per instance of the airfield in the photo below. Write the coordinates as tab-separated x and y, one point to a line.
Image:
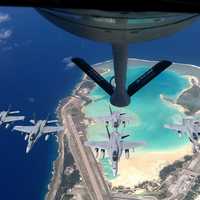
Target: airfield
91	171
93	183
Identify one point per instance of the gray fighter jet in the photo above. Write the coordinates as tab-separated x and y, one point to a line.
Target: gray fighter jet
115	119
39	128
7	118
190	127
115	147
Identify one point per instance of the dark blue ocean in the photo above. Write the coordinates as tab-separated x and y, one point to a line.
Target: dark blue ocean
33	79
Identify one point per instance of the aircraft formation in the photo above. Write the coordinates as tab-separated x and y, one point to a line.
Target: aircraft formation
32	132
115	144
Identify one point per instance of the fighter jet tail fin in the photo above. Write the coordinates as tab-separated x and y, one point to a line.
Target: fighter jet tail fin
94	75
111	112
147	77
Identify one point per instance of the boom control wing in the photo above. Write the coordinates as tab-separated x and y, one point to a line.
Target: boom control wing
132	88
94	75
148	76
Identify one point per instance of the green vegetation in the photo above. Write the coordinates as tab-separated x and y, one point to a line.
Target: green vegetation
186	99
162	193
164	173
195	190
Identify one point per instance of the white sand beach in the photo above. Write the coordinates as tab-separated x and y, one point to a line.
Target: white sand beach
146	166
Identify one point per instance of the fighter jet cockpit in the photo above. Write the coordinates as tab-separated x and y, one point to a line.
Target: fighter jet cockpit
115	156
116	124
32	137
100	100
195	136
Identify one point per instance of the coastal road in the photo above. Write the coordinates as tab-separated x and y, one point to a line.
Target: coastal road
183	186
195	165
117	196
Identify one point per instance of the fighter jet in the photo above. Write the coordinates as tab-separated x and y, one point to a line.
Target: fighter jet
190	127
39	128
115	119
7	118
115	147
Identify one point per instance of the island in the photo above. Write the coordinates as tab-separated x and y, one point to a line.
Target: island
78	175
189	98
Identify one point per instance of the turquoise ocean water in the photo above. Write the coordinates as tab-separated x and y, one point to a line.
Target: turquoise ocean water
149	112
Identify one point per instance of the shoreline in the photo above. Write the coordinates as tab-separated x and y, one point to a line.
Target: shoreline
173	103
56	171
57	166
146	166
193	80
54	182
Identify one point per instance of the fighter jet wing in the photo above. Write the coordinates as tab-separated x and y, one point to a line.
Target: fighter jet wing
103	119
14	118
130	145
25	129
127	118
52	129
99	145
176	127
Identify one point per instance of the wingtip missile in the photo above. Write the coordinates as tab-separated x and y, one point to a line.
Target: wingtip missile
14	112
166	126
52	121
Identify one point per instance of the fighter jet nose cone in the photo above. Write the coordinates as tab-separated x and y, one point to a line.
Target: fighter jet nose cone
119	99
27	150
114	172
